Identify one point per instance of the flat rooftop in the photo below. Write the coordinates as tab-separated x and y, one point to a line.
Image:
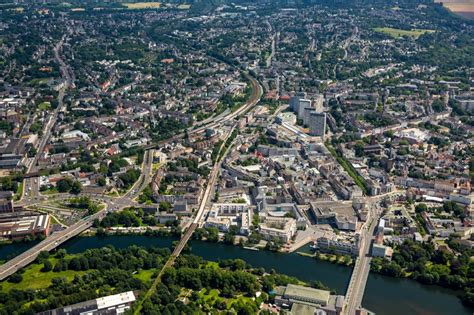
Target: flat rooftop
307	293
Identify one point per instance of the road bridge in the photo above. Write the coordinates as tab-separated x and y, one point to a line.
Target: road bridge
360	272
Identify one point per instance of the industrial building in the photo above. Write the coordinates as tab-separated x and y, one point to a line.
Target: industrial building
107	305
305	300
22	224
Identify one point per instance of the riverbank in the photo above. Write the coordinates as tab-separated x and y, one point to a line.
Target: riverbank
383	295
335	259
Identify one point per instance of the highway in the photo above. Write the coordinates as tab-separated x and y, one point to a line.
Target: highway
145	176
51	242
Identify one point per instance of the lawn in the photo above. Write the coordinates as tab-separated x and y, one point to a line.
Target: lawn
143	5
19	191
145	275
211	296
397	33
155	167
44	106
50	191
39	81
34	279
208	295
212	265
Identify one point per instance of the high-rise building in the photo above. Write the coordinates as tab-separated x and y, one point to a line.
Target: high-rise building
317	124
295	98
307	115
302	104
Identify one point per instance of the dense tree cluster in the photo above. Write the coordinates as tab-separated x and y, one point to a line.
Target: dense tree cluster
67	184
424	263
211	234
234	279
129	177
108	271
126	218
84	202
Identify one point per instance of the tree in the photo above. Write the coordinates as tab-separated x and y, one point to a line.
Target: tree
229	238
64	185
392	269
212	234
15	278
421	207
74	264
268	283
438	105
359	148
76	187
61	253
165	206
47	266
42	256
8	184
101	181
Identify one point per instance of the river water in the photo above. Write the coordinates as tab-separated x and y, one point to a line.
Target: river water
383	295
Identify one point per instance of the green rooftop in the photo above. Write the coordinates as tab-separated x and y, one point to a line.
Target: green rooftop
307	294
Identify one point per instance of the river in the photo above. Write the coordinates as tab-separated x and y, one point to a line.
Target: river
383	295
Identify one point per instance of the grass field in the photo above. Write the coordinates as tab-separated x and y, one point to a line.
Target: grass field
19	192
50	191
396	33
143	5
145	275
34	279
44	106
210	296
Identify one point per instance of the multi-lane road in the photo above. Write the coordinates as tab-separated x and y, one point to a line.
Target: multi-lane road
31	185
360	273
51	242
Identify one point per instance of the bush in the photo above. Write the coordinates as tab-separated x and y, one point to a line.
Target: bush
15	278
48	266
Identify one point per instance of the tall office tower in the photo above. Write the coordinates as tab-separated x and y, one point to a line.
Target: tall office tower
295	98
302	104
317	124
307	115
